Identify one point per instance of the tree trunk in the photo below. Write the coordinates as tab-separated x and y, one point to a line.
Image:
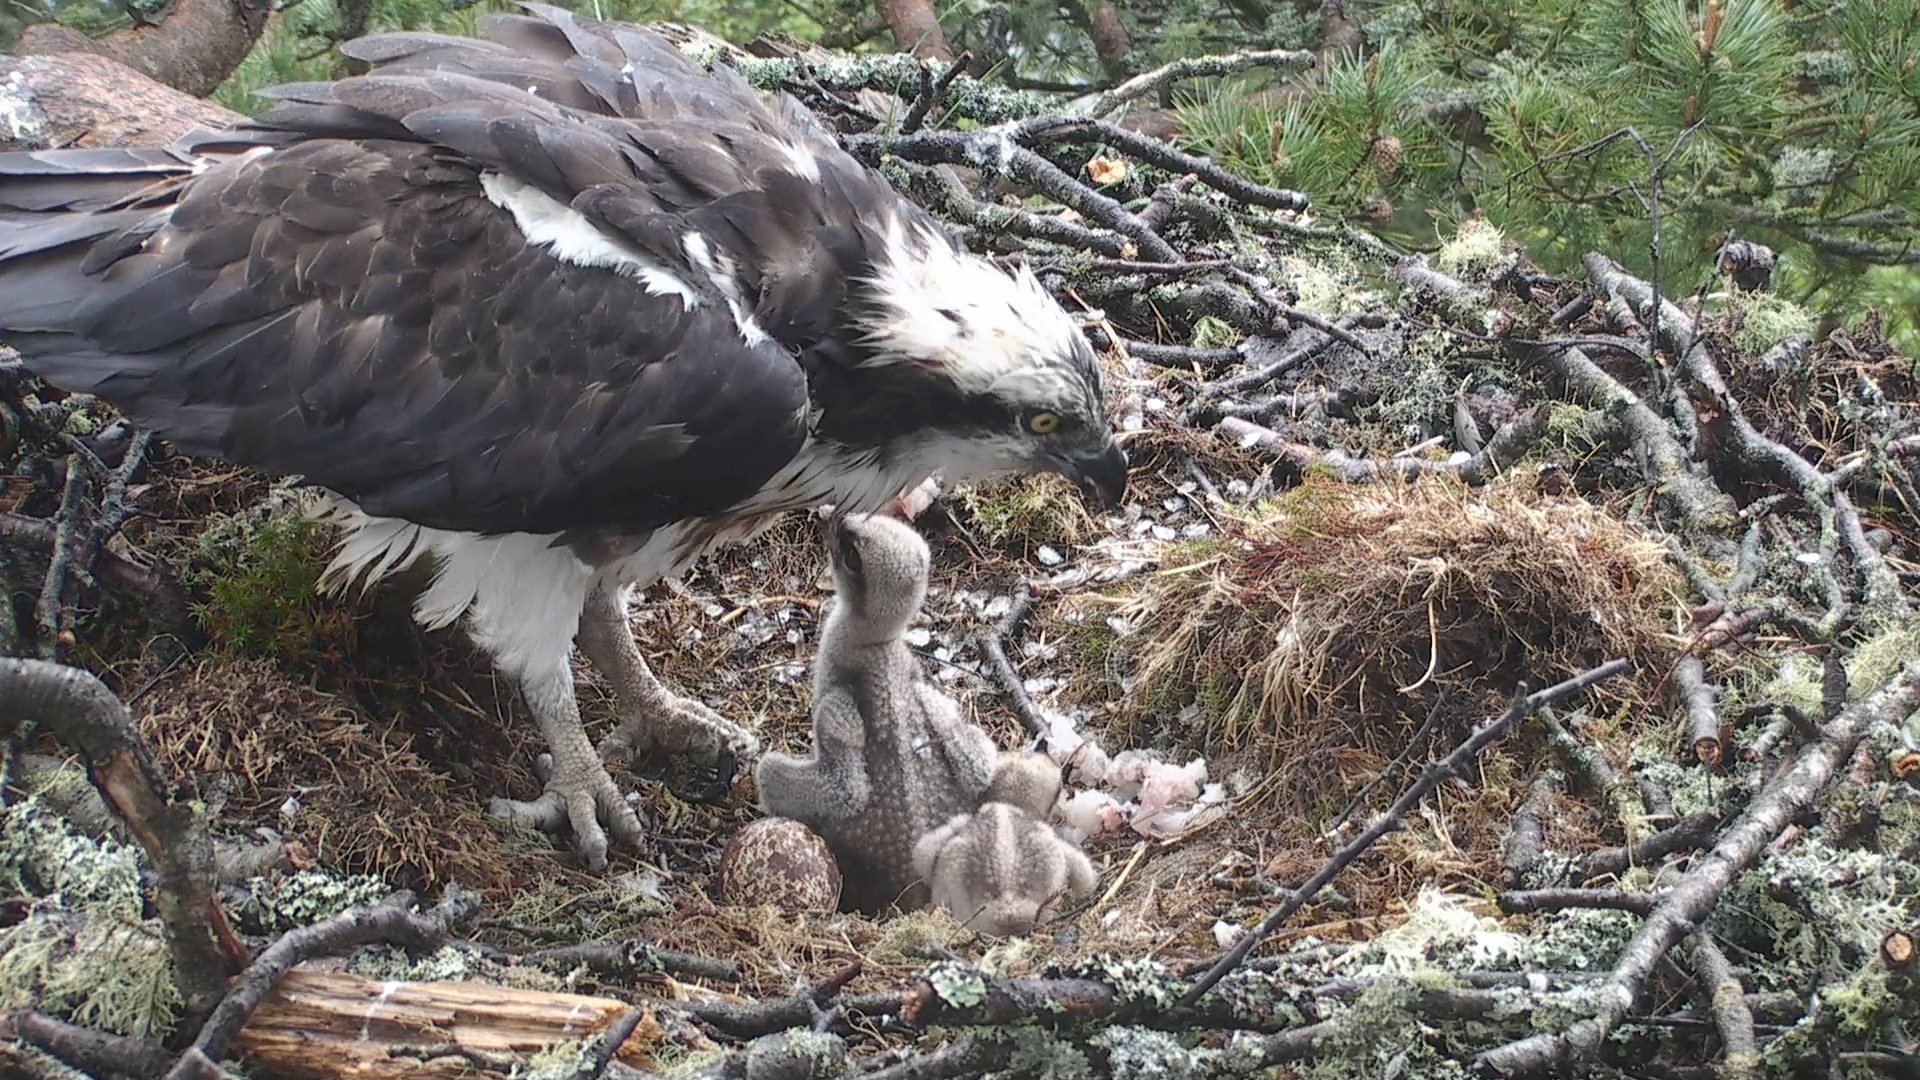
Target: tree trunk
1111	40
915	28
193	48
88	100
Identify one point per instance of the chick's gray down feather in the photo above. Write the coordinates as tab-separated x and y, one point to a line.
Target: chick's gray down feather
893	756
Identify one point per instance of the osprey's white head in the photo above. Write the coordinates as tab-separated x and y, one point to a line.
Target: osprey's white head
1000	377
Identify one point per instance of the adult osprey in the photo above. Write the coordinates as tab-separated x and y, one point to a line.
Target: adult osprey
558	308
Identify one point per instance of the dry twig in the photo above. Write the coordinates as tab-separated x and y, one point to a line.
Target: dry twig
1451	765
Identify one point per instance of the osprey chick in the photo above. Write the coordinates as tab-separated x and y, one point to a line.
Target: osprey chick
893	756
557	308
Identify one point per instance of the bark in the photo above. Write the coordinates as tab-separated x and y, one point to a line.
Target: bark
915	28
1111	40
321	1025
193	48
90	100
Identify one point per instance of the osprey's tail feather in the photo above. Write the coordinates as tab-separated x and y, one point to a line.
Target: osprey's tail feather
370	549
65	216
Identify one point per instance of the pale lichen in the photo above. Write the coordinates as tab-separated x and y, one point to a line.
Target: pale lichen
1136	1053
1475	249
796	1055
556	1061
1135	981
278	904
893	73
1578	939
447	964
42	855
1442	930
21	120
1040	1054
83	952
957	984
1762	320
1330	284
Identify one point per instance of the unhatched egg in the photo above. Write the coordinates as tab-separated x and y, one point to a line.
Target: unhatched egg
781	862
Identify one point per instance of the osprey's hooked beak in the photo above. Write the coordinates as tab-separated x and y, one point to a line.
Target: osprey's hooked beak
1101	473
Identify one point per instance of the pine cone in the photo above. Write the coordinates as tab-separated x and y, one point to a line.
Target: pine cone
1387	154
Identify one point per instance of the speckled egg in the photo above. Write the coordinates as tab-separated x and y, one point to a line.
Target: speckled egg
781	862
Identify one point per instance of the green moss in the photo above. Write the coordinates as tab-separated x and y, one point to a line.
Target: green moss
258	574
1212	333
1025	510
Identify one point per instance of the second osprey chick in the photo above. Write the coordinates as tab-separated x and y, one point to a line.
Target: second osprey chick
1002	869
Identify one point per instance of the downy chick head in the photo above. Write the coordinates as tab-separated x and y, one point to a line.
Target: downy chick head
1000	870
879	574
1027	779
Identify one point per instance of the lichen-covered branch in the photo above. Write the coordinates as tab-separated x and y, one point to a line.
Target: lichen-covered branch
631	957
1194	67
1783	798
79	710
391	921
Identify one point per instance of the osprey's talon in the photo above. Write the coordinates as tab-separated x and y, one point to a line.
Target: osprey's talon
585	802
682	726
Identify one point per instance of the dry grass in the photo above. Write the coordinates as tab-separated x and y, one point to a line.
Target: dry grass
1327	624
364	794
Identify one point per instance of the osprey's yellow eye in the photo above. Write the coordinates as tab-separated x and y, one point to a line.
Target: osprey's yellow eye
1043	423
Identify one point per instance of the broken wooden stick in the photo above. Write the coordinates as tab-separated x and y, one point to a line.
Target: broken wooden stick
320	1025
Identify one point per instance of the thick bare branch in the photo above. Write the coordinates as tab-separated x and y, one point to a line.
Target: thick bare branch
193	48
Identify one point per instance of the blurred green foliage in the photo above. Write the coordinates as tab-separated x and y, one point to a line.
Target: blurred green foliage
1799	127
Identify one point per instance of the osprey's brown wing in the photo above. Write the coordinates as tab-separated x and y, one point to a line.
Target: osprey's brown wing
345	303
358	313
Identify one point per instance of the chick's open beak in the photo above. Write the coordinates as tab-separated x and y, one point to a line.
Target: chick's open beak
1101	474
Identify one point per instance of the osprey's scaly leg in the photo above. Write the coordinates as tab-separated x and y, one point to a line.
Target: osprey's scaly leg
580	796
653	717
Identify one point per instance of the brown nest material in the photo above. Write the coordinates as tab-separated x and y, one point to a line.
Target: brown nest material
363	794
1327	622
